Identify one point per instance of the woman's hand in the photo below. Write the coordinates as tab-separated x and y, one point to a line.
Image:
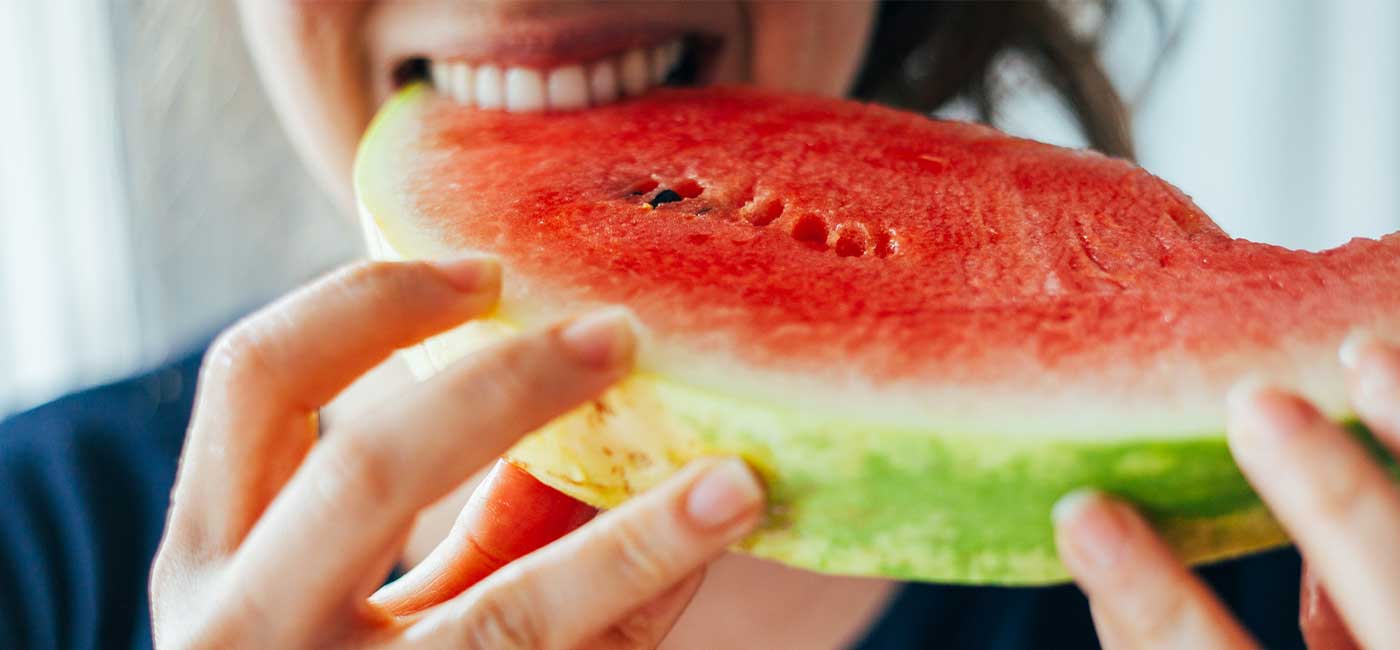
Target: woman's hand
1336	501
277	539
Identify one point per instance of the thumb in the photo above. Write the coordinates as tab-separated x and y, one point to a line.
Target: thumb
509	515
1322	627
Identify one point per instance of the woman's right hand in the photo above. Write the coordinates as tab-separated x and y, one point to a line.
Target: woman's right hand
277	538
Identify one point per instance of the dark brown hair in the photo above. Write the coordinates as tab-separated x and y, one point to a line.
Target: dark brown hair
928	53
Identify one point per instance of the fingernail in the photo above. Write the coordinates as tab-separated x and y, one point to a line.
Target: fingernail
1259	412
470	273
722	494
1092	530
602	339
1354	346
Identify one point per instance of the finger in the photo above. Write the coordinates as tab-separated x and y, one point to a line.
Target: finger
1333	498
361	487
263	380
1318	619
645	628
1373	381
1132	575
574	589
510	515
1110	632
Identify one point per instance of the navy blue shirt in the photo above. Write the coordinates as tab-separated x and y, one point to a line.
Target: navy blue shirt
85	480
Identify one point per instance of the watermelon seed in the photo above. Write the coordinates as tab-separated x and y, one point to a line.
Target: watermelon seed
664	196
810	230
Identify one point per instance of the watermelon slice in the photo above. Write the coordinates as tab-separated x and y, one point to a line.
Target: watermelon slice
921	333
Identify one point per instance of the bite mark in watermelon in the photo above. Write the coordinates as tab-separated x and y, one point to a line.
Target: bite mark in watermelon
921	333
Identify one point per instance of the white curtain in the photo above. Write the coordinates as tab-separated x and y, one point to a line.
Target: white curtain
67	287
147	196
1281	118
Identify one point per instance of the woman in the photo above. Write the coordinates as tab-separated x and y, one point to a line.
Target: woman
276	538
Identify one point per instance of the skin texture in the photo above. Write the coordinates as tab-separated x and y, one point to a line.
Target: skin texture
1334	498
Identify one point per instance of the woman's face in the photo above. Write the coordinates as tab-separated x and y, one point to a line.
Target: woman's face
328	64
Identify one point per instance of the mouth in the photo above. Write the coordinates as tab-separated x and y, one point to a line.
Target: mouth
554	83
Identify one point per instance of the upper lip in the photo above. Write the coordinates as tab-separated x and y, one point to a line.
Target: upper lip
542	45
535	47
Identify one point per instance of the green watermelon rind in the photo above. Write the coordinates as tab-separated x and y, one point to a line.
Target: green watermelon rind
909	503
906	503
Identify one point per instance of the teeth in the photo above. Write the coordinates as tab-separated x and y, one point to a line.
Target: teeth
440	75
454	79
463	84
602	82
568	87
490	88
636	76
524	90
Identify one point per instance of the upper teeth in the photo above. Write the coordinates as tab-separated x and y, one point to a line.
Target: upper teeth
573	86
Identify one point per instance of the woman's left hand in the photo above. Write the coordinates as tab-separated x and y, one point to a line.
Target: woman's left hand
1335	500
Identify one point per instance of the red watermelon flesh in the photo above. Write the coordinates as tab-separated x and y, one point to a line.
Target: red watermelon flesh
845	261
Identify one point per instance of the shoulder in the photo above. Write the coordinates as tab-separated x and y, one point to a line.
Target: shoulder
84	483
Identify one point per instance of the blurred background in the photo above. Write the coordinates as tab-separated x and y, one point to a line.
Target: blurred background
147	196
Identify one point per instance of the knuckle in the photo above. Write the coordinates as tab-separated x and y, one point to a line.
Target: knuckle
1163	618
635	632
364	272
496	621
358	472
641	562
163	579
222	620
509	375
176	571
377	281
241	353
1340	489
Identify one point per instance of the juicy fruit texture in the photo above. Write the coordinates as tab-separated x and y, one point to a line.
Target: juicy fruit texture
921	332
